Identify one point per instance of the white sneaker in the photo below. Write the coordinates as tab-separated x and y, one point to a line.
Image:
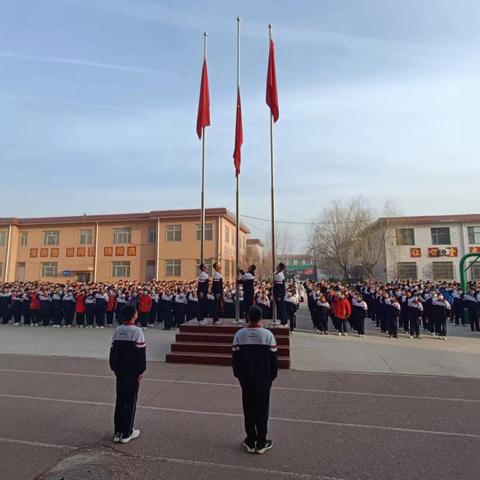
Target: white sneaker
117	438
135	434
203	322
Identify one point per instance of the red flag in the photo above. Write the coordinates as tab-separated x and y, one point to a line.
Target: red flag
203	117
237	154
272	93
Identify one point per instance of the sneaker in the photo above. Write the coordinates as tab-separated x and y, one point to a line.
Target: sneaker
117	438
135	434
339	334
263	448
250	448
203	322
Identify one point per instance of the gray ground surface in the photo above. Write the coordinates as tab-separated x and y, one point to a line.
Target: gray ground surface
325	424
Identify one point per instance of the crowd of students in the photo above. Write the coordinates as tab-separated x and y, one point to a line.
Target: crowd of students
408	306
170	303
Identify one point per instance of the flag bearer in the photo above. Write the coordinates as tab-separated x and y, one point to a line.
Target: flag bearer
217	291
247	279
279	294
202	293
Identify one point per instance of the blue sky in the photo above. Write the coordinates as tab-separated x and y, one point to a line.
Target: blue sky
378	98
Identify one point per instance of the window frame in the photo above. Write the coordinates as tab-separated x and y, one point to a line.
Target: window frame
407	264
173	264
208	228
46	265
401	238
82	232
434	235
121	264
152	234
47	235
126	232
173	232
472	234
23	236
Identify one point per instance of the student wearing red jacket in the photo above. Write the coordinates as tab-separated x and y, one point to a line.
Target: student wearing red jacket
80	308
341	310
35	307
111	307
144	307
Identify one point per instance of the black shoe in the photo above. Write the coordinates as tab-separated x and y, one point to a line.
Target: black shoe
262	448
249	446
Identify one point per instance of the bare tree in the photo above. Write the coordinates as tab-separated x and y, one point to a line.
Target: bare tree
345	239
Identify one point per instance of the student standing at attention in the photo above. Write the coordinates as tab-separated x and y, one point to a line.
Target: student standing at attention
128	361
255	366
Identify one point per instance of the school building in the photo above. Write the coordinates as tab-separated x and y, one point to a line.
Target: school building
428	247
163	245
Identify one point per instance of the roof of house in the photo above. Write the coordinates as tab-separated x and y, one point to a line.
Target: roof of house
429	219
255	241
124	217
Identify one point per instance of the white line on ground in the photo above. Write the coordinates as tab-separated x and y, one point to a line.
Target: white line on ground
230	385
183	461
35	444
238	415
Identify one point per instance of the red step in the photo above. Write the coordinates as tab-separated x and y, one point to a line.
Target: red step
205	337
230	328
212	359
208	347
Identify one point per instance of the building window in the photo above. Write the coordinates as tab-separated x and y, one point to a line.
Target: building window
227	234
208	231
441	236
227	268
86	236
442	270
475	269
122	235
207	262
152	234
23	239
2	239
174	233
407	270
173	268
474	235
120	269
51	237
405	236
49	269
1	269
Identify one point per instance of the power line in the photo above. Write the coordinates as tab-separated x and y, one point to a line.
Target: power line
276	221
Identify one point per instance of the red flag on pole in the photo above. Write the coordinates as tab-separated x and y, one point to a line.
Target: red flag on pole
203	117
272	93
237	154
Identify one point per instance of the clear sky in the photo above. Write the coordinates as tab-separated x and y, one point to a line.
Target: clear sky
378	98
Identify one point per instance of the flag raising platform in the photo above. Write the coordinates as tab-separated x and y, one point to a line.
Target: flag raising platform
212	344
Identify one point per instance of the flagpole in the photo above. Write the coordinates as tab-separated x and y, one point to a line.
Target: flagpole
272	188
202	199
237	198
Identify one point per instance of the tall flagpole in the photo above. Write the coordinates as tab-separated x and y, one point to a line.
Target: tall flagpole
272	186
237	199
202	200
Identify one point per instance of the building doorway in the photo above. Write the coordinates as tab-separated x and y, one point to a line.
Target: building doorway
83	277
20	272
151	274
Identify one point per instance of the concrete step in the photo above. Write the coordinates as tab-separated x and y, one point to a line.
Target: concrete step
227	328
212	359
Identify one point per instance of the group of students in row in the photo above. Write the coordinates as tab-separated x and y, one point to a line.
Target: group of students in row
408	306
168	303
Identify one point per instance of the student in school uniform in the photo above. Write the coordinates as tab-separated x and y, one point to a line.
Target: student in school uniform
322	309
111	307
167	300
5	301
90	308
121	301
80	308
152	318
144	307
180	307
359	312
192	306
415	310
217	292
441	311
247	280
16	309
26	312
279	294
46	310
57	311
69	303
393	310
101	299
202	294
